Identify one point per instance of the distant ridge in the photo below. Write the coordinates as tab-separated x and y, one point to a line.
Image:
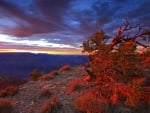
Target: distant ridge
20	64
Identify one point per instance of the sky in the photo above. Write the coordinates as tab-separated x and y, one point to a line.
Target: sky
60	26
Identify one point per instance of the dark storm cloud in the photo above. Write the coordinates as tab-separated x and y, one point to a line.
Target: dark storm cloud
68	21
53	7
136	12
141	13
46	19
45	16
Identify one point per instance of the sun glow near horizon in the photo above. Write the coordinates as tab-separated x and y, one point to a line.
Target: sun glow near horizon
68	52
11	44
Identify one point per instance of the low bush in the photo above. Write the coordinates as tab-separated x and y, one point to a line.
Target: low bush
34	75
88	103
9	91
45	92
6	81
50	106
64	68
87	78
49	76
6	106
74	85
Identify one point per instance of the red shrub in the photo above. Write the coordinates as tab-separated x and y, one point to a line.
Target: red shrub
46	107
89	104
64	68
74	85
35	75
45	77
53	73
145	96
50	106
6	106
54	101
49	76
117	69
87	78
109	92
147	60
8	91
10	81
45	92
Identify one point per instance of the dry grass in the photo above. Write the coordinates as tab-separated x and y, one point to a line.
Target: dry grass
147	60
89	104
49	76
64	68
50	106
6	106
9	91
74	85
9	81
45	92
87	78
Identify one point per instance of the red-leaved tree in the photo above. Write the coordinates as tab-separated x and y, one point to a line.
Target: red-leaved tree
120	74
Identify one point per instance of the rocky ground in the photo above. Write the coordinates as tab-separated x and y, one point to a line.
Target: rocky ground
29	99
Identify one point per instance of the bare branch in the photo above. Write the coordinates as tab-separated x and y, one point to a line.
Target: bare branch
124	36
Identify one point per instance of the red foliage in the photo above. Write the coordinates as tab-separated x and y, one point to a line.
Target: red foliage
53	73
10	81
45	92
64	68
46	107
88	103
9	91
49	76
74	85
107	92
119	72
50	106
6	106
147	60
87	78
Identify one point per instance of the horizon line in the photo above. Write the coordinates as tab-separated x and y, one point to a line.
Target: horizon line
43	52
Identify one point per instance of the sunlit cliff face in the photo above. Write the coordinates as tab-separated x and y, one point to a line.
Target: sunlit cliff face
60	27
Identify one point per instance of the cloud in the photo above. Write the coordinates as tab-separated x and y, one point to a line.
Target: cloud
42	19
67	22
82	17
35	43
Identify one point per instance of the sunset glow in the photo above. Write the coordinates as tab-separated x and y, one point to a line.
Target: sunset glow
65	52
